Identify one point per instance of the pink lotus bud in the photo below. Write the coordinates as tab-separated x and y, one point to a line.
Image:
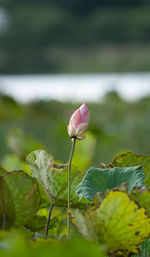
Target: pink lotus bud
78	123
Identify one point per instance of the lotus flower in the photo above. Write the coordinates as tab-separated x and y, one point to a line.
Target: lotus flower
78	123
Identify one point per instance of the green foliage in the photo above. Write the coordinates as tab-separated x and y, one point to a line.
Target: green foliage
13	162
84	152
118	222
54	179
15	246
130	159
38	223
116	126
21	144
99	180
144	249
142	196
19	199
13	110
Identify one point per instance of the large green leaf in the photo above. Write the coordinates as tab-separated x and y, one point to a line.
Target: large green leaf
130	159
99	180
53	179
118	222
19	198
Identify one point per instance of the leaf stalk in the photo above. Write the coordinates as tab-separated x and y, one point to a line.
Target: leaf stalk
48	220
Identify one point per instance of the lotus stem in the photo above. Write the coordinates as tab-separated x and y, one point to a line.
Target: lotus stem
69	186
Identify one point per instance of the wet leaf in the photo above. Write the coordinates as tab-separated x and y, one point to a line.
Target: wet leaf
99	180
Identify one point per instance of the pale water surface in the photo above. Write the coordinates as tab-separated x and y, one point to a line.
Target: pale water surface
24	88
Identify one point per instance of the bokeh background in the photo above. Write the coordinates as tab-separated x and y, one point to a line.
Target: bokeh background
47	37
73	36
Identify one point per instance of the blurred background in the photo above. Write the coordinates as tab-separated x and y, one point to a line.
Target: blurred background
73	36
56	54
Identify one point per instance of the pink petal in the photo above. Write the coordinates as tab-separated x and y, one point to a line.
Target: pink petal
78	123
75	119
83	108
81	129
71	131
80	137
84	113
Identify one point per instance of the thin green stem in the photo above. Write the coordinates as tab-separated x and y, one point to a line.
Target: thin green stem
48	220
69	185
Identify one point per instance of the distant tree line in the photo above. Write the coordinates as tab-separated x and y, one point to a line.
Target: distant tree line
37	26
78	6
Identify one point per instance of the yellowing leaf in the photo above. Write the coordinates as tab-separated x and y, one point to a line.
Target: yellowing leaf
118	222
123	224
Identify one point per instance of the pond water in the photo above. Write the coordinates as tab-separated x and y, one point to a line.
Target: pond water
91	87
